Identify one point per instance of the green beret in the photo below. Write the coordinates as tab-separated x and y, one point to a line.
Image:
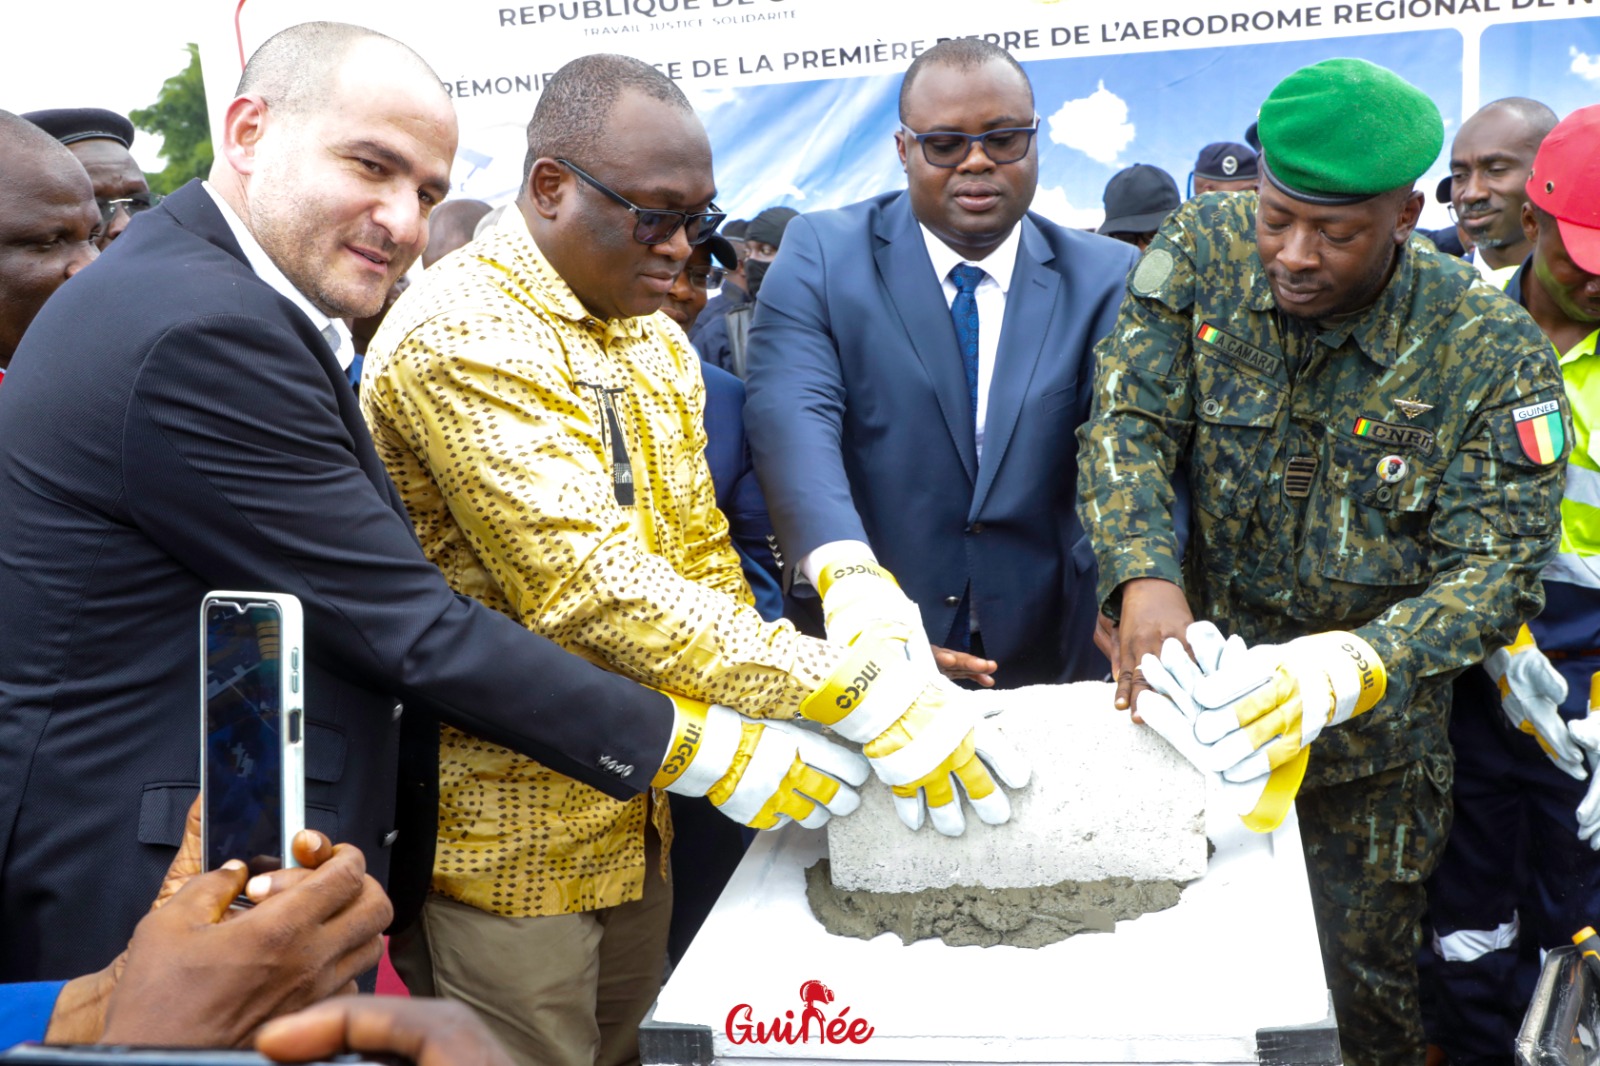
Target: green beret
1344	130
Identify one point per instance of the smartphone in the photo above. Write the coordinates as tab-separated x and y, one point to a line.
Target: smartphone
252	729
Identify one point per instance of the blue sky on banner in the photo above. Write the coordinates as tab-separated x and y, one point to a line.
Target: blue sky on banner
820	144
1556	62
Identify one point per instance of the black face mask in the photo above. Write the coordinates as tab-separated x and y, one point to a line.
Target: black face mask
754	270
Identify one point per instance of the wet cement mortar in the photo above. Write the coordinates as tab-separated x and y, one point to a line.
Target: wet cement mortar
961	916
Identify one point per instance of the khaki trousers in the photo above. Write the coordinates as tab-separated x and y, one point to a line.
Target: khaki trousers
563	990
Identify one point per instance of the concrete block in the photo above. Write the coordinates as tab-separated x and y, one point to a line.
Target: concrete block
1108	799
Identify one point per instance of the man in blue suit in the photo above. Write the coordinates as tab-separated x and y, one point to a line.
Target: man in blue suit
919	362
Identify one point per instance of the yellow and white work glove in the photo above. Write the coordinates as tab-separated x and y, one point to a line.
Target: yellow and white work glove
1531	693
1261	802
1586	733
759	773
924	737
857	593
1255	713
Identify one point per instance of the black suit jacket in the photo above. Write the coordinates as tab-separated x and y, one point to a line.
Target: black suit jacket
172	425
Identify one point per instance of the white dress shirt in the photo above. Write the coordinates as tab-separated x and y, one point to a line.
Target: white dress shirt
268	271
1499	277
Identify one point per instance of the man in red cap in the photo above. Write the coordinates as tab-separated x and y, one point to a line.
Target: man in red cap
1520	726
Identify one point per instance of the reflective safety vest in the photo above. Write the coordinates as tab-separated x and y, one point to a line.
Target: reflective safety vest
1571	617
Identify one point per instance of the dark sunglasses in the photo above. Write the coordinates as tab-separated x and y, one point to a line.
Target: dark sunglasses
655	226
948	148
139	201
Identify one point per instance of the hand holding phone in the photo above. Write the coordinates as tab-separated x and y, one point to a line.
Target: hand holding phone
197	975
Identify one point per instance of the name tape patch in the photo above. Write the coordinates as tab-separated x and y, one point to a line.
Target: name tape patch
1237	350
1522	414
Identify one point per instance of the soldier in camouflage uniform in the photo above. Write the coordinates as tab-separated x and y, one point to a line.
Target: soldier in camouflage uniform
1352	411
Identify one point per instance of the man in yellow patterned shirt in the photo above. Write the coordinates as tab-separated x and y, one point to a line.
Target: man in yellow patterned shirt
543	426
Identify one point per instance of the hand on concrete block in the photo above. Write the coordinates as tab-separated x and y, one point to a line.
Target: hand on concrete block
760	773
971	769
1261	802
925	739
1253	714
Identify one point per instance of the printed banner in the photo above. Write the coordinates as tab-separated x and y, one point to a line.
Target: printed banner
800	96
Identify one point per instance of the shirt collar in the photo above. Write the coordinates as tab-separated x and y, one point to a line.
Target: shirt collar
1377	329
265	269
536	273
998	264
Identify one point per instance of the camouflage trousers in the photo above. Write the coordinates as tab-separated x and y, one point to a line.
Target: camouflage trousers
1370	844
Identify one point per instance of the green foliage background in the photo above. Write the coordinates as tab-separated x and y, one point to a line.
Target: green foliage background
179	116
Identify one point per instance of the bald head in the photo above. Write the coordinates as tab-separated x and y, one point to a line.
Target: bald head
295	69
1535	119
1489	164
48	224
450	226
334	154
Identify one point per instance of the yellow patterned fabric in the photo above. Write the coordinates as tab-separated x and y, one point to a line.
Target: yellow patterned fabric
496	400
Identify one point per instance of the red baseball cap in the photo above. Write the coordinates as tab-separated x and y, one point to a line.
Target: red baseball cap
1565	183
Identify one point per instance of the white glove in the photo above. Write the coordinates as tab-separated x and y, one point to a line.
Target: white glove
924	737
1260	711
857	593
1586	733
1531	693
759	773
1261	802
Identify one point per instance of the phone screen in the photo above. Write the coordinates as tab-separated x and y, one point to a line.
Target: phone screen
243	748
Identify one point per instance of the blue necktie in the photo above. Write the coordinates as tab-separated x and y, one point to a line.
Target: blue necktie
964	312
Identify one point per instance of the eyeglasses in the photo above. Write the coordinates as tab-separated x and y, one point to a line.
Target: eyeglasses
133	205
699	277
949	149
656	226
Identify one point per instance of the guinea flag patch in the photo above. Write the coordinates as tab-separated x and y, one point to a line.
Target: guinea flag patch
1539	431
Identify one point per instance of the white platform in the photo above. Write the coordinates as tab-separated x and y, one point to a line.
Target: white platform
1194	984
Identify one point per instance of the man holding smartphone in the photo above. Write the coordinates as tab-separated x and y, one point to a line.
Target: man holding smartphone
210	440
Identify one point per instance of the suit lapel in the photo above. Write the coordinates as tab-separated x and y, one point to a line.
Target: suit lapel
195	211
903	263
193	208
1032	300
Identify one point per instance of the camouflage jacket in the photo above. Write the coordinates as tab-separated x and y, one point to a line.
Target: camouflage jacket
1375	474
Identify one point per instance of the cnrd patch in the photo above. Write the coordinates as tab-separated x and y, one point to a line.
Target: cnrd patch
1399	436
